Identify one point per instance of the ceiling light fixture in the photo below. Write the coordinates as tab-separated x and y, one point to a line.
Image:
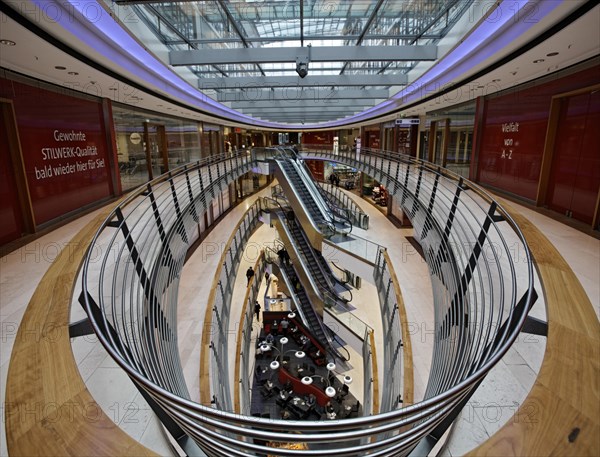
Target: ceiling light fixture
60	67
73	73
552	54
538	61
8	42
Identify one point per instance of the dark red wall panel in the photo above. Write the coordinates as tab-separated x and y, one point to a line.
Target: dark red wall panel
11	217
575	173
64	149
325	138
317	168
513	143
514	133
372	139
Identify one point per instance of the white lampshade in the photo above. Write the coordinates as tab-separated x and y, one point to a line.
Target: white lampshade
307	381
300	354
274	365
291	315
348	379
330	392
265	347
330	366
283	340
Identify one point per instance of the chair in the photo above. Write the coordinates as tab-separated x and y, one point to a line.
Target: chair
320	362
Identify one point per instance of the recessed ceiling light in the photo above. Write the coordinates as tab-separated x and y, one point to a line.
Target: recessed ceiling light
60	67
538	61
8	42
74	73
112	88
552	54
496	80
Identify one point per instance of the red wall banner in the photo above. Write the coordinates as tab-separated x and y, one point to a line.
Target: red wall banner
514	133
324	138
64	149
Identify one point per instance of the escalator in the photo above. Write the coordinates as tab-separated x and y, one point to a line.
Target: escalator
317	287
307	311
317	266
308	201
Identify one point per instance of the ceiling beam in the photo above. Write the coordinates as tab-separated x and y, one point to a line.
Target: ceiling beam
237	27
290	54
301	103
365	29
309	81
270	39
293	94
299	110
299	118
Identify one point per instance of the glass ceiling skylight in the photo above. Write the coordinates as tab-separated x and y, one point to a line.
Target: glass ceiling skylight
184	25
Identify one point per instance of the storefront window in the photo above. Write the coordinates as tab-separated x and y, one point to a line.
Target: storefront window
455	151
145	139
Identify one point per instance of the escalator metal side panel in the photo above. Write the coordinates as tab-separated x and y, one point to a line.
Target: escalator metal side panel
314	235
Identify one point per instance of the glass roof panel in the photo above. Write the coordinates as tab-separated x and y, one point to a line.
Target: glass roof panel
231	24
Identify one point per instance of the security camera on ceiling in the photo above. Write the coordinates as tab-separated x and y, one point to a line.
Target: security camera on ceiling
302	67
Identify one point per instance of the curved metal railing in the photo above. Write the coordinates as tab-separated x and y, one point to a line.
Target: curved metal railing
482	278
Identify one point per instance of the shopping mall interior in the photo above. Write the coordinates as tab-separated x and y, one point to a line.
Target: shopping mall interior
300	227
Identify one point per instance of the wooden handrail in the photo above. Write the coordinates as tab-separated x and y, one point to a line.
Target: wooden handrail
561	414
237	397
49	410
408	390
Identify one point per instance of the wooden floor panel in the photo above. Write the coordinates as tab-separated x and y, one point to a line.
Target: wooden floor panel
49	410
561	414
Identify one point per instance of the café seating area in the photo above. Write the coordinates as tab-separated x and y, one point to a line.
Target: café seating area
293	378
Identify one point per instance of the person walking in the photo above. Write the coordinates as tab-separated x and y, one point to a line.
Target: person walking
249	274
284	326
257	310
